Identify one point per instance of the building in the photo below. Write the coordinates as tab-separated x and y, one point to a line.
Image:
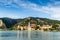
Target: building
45	27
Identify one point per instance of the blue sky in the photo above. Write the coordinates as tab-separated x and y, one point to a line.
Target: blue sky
30	8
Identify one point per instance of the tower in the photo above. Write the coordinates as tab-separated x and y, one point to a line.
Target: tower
29	27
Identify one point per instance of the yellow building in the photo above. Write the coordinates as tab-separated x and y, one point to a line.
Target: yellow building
45	27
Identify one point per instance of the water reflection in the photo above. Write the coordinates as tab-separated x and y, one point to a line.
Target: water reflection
7	35
46	36
21	35
29	35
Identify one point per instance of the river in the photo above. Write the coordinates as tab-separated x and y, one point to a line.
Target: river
29	35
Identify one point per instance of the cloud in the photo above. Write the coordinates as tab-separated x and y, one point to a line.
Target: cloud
53	9
55	12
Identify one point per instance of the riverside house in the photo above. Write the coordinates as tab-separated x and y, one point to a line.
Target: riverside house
26	27
47	27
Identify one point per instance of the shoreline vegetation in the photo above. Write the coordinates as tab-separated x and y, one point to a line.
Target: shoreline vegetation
34	24
30	31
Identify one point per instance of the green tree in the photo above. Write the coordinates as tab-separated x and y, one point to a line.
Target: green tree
37	27
55	26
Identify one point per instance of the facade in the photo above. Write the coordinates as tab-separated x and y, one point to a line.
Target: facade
47	27
32	26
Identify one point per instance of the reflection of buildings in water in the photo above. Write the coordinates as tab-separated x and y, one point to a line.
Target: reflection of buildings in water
19	35
0	35
29	35
46	36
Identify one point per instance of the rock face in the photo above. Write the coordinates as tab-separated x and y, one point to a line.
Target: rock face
2	25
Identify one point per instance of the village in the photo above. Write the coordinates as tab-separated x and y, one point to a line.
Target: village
33	27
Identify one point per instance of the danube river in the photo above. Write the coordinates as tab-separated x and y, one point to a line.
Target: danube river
29	35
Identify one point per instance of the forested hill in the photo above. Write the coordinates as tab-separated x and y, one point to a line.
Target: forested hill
10	22
42	21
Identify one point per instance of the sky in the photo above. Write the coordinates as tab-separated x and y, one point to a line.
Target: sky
30	8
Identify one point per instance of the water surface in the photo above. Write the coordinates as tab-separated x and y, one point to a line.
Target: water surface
31	35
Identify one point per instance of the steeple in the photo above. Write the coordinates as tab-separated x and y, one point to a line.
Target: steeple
29	27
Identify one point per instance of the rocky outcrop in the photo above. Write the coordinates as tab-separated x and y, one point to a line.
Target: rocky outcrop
2	25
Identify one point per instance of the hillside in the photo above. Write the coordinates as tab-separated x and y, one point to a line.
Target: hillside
45	21
39	21
10	22
2	25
